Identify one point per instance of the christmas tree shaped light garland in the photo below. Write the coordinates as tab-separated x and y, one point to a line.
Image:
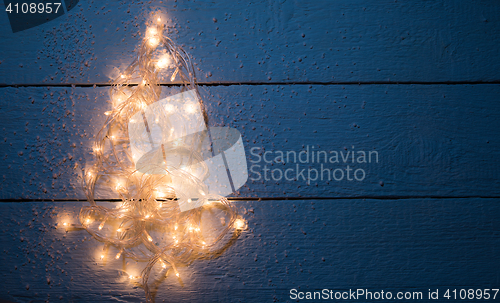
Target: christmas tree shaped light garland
149	152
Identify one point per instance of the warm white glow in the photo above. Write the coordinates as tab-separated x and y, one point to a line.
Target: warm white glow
172	78
152	36
240	224
190	108
148	201
169	108
118	100
151	32
164	61
153	42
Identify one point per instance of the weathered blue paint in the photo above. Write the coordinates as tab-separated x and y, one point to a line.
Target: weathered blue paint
433	140
391	245
268	41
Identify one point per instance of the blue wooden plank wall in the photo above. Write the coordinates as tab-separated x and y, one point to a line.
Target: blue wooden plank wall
415	85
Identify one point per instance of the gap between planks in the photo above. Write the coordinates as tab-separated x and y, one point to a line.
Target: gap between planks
3	85
236	199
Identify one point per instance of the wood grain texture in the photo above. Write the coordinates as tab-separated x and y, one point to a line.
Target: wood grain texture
402	245
262	41
432	140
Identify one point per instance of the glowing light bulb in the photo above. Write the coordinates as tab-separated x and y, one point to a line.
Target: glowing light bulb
151	32
177	274
158	20
118	255
189	200
172	78
119	230
150	239
163	265
240	224
175	227
169	108
107	113
143	82
164	61
65	224
122	76
190	108
152	37
88	221
119	100
153	42
102	256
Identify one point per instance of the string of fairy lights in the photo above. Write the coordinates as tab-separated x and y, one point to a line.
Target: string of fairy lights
147	225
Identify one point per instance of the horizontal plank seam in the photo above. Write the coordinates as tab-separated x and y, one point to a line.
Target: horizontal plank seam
277	198
3	85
